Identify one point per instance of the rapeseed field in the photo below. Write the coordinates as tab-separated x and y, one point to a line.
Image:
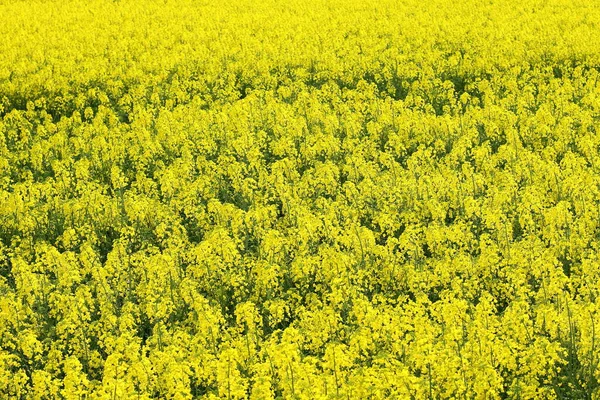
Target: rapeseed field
299	199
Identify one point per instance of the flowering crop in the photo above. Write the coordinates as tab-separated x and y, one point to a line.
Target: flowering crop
325	199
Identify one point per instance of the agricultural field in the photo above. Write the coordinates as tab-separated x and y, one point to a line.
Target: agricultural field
299	199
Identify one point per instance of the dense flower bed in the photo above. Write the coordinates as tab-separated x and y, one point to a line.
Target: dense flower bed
345	199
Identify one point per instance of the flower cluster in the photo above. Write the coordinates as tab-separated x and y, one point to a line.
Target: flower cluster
269	199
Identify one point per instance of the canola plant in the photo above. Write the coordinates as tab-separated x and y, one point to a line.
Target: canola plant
299	199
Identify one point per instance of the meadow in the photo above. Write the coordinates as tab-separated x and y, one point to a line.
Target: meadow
299	199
